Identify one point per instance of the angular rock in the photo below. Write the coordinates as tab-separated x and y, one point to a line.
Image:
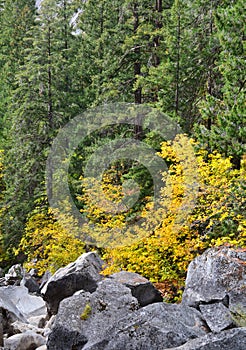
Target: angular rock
156	326
48	326
81	274
213	275
113	322
22	305
20	327
141	288
43	347
14	275
233	339
6	304
44	279
217	316
30	283
86	317
38	321
1	327
24	341
237	305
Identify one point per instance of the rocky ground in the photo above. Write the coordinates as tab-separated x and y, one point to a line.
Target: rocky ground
77	308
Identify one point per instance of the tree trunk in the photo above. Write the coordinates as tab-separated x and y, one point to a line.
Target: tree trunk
158	25
137	50
177	78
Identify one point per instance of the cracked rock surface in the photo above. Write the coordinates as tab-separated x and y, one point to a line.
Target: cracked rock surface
86	311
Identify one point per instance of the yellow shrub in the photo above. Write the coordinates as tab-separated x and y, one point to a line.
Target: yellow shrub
203	204
49	244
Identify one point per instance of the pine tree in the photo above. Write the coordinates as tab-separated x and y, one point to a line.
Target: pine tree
16	18
45	98
223	114
117	48
142	46
187	51
101	35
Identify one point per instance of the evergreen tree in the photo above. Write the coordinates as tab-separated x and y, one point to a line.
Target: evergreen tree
101	34
188	50
16	18
142	45
224	122
117	48
45	97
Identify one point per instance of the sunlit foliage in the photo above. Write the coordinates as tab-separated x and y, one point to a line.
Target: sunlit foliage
49	244
209	212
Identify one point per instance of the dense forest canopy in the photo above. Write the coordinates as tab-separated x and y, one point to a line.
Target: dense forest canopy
185	60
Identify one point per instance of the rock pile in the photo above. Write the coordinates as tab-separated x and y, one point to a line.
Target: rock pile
79	309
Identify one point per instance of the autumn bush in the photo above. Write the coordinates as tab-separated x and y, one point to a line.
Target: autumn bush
3	253
203	204
49	243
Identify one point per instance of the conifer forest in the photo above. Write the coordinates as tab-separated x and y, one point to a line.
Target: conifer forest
181	63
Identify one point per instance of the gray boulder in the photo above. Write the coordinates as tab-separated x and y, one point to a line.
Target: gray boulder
85	317
217	316
20	304
43	347
17	305
1	327
81	274
20	327
109	318
233	339
24	341
14	275
237	305
38	321
213	275
30	283
8	305
18	276
141	288
154	327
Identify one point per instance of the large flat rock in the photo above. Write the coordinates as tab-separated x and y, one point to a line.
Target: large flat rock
115	322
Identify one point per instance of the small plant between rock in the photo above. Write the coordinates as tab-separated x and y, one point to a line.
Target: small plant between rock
239	316
86	312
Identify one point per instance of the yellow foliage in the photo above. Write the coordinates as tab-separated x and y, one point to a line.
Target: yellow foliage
203	204
2	188
49	244
165	253
1	175
106	213
220	210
